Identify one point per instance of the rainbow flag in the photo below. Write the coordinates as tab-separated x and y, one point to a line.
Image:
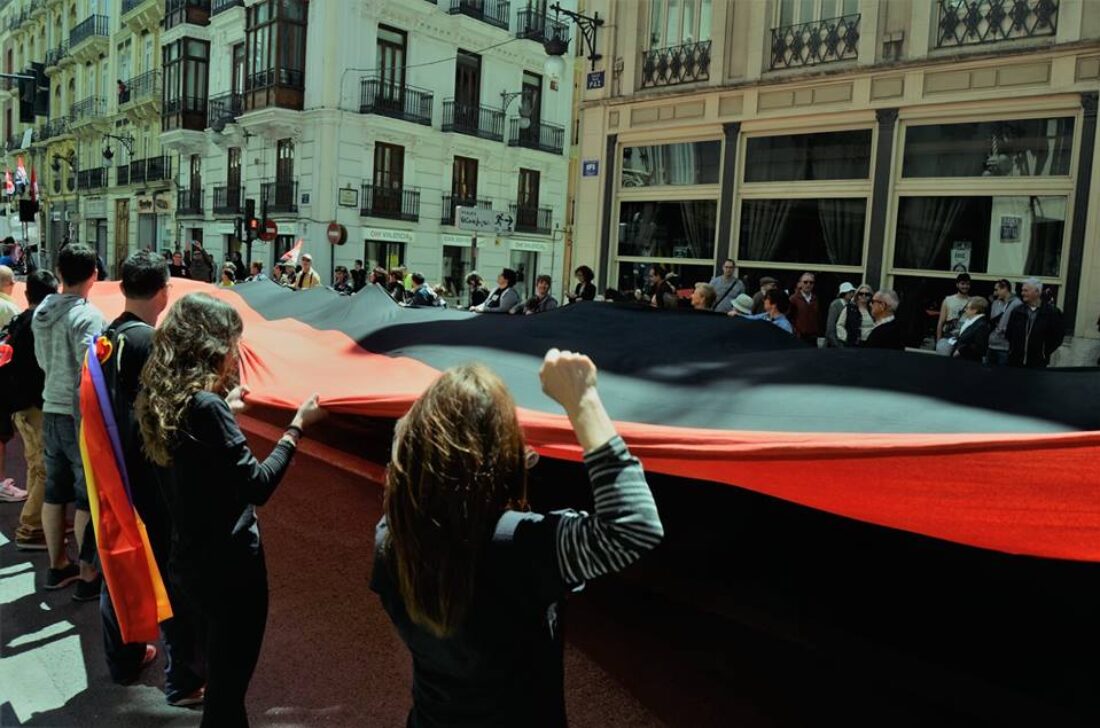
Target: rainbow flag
133	579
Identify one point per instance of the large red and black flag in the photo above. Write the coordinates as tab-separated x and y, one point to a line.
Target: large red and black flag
1002	459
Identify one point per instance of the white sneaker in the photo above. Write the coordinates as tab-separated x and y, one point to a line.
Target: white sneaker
9	493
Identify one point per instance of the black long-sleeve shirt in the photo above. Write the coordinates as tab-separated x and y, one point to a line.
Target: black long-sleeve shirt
214	485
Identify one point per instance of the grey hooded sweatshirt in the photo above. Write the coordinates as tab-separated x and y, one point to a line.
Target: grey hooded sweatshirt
62	324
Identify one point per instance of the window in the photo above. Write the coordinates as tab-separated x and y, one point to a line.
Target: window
528	194
186	65
1018	235
196	174
524	263
390	61
634	276
275	55
806	157
677	22
1016	148
669	230
464	179
233	169
815	230
793	12
690	163
237	75
387	254
458	262
389	179
284	161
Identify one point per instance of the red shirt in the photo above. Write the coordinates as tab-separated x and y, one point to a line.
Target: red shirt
805	315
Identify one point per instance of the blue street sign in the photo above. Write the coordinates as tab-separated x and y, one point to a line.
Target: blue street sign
590	168
595	79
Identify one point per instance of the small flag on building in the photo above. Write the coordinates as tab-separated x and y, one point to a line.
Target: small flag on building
291	256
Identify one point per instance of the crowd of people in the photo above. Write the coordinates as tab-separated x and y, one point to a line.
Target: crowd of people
453	507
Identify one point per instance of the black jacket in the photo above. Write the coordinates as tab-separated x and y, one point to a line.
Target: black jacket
886	336
24	381
1031	344
973	343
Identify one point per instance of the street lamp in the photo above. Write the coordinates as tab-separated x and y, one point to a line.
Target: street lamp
126	141
556	44
70	160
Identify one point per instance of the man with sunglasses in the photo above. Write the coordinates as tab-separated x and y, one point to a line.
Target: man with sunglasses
887	331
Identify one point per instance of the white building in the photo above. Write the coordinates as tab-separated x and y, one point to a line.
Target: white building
377	115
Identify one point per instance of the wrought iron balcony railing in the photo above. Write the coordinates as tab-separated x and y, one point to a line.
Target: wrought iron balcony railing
528	219
91	179
177	12
686	63
223	109
378	96
122	175
137	171
481	121
56	127
141	88
89	108
541	136
811	44
451	202
280	196
533	24
92	27
129	6
189	201
227	200
158	168
493	12
54	55
400	203
976	22
220	6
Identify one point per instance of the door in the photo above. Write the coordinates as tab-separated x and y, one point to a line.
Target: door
464	182
233	179
391	68
527	200
524	263
531	107
284	172
237	78
389	171
194	192
122	235
467	90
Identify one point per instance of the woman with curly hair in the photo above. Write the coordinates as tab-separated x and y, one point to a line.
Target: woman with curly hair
471	578
212	484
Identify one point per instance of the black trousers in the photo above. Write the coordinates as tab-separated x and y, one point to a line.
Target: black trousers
232	604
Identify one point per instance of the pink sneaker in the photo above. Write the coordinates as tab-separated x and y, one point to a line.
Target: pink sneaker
9	493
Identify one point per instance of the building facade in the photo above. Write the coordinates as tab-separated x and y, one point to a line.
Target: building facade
103	178
894	142
371	121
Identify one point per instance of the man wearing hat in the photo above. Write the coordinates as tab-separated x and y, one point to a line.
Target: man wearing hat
307	277
844	296
742	305
766	284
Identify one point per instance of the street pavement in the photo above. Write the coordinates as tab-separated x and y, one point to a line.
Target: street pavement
332	658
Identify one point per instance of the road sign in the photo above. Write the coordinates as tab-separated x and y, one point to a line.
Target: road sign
484	219
270	231
594	80
590	168
337	233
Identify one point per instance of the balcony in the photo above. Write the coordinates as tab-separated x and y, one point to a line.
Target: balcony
91	179
980	22
282	88
395	101
543	137
223	109
538	26
536	220
220	6
183	112
450	202
812	44
179	12
480	121
142	15
280	196
493	12
89	38
400	203
227	200
122	175
686	63
54	56
15	141
142	93
153	169
189	201
56	127
89	111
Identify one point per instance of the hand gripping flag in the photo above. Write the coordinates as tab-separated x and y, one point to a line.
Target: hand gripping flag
133	579
9	186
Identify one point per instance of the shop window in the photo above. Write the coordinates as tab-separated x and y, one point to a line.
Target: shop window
1005	235
633	277
387	254
1019	148
458	262
682	229
807	157
690	163
825	231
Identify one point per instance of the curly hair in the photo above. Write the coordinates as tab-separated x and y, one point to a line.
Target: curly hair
458	463
189	355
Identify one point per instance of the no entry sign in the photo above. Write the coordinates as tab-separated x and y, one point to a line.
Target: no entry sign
270	231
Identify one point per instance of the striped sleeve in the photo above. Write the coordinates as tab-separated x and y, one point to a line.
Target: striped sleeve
624	526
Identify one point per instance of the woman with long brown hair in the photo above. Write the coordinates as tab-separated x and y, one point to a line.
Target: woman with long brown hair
212	483
471	578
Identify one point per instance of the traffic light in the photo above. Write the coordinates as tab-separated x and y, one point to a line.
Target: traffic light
28	91
42	89
251	222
